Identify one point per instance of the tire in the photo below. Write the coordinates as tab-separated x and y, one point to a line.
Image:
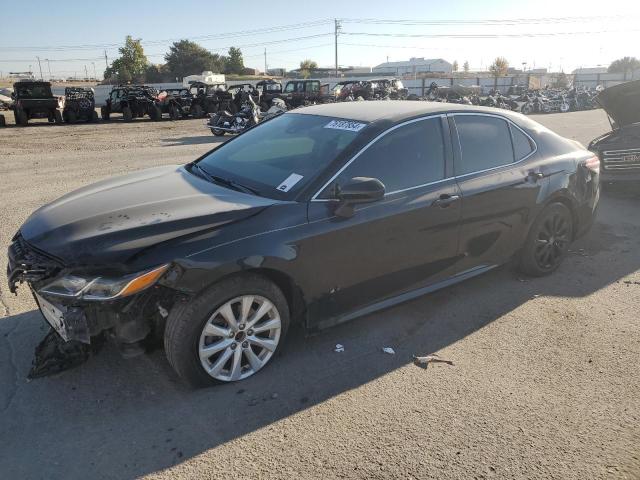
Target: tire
105	113
527	109
2	121
264	106
21	118
127	114
184	336
71	117
174	113
218	133
564	107
155	113
555	224
197	111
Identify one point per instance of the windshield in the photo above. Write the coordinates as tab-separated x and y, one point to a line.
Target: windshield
283	154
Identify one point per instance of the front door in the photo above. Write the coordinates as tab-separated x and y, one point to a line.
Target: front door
407	240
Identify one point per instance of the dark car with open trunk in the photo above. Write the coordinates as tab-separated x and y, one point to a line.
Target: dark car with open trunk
316	216
619	149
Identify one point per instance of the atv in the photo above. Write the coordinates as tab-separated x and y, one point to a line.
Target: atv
268	90
80	104
133	101
206	98
34	100
176	102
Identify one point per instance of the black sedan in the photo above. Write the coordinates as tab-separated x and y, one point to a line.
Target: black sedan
316	216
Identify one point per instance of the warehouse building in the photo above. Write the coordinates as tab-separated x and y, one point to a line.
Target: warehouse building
414	66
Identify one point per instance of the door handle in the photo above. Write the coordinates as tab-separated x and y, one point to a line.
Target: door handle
534	176
445	200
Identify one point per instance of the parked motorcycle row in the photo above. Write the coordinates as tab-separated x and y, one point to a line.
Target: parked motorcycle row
518	99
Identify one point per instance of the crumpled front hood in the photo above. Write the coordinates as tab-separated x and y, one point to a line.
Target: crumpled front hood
622	103
108	222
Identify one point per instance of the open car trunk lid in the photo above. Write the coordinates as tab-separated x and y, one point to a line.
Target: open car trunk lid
622	103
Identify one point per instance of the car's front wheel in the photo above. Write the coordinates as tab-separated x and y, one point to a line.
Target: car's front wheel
227	333
548	241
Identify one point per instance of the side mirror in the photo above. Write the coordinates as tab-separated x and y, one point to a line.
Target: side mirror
358	190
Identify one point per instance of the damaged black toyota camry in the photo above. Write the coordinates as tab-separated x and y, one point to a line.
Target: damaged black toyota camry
317	216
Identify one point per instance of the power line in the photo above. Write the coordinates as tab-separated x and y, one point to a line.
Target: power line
513	21
242	33
480	36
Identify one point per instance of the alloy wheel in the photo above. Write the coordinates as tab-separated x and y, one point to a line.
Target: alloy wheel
239	338
553	241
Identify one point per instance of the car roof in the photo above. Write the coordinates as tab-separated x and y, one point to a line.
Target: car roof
392	110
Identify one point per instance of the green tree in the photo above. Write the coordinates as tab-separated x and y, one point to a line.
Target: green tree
455	66
234	62
306	67
131	65
158	74
624	65
465	66
188	58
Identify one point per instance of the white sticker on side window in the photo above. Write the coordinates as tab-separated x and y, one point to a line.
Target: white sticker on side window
346	125
289	182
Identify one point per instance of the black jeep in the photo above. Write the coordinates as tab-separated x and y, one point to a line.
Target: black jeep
298	93
79	104
206	98
133	101
35	100
176	102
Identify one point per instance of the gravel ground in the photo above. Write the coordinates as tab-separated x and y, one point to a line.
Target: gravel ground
544	384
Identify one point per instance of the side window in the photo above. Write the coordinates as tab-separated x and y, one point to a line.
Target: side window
485	143
409	156
313	86
521	144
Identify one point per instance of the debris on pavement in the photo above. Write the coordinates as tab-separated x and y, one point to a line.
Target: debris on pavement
424	362
54	355
389	350
339	348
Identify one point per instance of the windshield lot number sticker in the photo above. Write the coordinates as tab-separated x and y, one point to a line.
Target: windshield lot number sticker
345	125
289	182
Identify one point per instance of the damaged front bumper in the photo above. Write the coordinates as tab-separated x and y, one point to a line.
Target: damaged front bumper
127	320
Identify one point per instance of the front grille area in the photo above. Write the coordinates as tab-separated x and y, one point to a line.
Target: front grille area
28	264
621	160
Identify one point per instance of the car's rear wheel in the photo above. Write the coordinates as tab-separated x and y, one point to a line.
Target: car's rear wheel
197	111
105	113
127	114
21	117
548	241
71	117
174	112
229	332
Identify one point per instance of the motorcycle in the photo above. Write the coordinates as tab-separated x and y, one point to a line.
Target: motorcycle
226	122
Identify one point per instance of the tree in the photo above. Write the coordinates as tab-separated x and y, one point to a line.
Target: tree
158	74
454	67
188	58
306	67
624	65
132	63
499	67
465	66
234	63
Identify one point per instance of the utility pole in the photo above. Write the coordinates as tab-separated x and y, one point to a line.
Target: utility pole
265	60
95	75
86	75
335	32
106	60
49	67
40	66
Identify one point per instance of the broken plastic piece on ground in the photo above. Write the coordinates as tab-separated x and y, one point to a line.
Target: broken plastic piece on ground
339	348
424	362
389	350
54	355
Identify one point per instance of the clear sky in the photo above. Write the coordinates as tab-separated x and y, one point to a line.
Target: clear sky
565	34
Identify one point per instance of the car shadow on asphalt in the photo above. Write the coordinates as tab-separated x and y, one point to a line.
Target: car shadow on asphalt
127	418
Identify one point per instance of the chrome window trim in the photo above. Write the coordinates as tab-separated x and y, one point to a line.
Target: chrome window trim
509	122
363	149
454	177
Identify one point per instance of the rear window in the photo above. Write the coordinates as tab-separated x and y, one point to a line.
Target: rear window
485	143
522	146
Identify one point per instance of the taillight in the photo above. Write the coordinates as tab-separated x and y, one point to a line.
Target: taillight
593	164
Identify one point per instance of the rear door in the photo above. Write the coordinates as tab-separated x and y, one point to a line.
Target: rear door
500	178
404	241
